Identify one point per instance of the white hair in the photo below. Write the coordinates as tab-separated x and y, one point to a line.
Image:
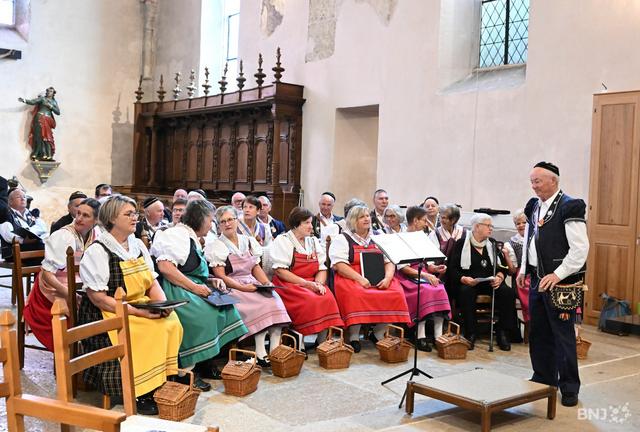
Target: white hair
265	198
479	218
517	214
393	208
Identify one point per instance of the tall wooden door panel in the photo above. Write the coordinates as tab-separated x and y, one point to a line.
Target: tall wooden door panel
613	200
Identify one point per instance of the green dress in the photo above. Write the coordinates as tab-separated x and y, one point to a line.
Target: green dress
206	328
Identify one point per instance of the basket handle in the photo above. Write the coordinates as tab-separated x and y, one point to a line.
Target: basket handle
233	351
457	326
390	326
189	372
286	335
333	330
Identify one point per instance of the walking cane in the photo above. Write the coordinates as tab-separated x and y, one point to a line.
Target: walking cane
493	295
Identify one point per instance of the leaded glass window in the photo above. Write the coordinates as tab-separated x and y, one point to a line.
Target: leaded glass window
504	32
7	13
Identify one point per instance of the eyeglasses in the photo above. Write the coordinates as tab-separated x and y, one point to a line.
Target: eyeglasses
226	221
487	225
131	215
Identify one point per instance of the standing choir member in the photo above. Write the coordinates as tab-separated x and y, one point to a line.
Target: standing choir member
235	259
299	265
434	302
358	300
185	273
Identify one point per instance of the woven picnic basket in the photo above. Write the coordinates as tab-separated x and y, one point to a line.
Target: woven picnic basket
176	401
452	346
582	345
334	353
286	361
240	378
393	349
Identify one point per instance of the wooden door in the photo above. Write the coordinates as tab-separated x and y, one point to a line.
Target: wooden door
613	201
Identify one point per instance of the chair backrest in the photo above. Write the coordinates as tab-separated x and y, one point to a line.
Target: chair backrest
146	239
73	269
64	337
9	356
20	271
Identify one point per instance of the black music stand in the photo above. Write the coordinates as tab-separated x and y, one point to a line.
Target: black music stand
410	248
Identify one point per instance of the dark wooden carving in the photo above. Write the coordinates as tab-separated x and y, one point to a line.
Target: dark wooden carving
221	146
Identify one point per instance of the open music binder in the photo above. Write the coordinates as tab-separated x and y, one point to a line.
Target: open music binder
408	247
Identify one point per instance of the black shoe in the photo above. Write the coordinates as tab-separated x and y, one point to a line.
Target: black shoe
200	384
503	341
569	399
472	341
147	406
373	338
264	362
356	346
424	345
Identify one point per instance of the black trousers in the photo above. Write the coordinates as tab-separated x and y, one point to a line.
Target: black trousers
552	343
505	306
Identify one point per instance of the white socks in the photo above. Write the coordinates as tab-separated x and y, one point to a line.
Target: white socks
274	337
259	339
437	326
378	331
354	332
421	330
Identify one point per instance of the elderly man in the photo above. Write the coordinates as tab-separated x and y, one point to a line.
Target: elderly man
380	202
153	219
103	190
21	225
555	251
325	217
237	199
177	209
478	266
277	227
178	194
72	207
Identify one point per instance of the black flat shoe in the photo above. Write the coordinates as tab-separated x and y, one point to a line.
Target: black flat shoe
569	399
373	338
424	345
264	362
356	346
147	406
201	385
503	341
472	341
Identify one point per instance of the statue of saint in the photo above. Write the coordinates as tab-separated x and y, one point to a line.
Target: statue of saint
42	125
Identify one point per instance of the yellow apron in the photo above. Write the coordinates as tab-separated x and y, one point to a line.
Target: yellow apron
154	342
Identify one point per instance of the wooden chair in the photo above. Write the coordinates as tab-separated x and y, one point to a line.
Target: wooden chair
20	405
67	366
8	266
72	304
19	274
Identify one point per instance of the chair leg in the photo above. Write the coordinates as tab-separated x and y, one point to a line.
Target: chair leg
21	343
14	297
106	401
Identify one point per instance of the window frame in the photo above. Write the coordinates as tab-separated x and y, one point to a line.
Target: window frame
505	34
14	22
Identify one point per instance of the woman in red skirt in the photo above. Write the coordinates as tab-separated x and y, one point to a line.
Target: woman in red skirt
299	265
51	282
358	300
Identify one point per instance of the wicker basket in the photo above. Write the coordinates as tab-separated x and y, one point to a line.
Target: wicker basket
240	378
286	361
452	346
393	349
176	401
334	353
582	345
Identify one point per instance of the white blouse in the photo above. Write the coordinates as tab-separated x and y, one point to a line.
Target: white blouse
55	249
94	266
217	251
339	249
173	244
283	246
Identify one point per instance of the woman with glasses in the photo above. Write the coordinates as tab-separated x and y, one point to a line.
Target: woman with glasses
51	282
394	219
119	259
473	258
185	276
235	259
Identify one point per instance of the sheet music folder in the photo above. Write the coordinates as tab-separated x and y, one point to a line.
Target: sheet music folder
408	247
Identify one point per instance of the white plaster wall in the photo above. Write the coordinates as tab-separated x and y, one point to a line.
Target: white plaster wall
473	147
90	52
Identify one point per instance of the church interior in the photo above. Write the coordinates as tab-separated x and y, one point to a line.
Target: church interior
286	100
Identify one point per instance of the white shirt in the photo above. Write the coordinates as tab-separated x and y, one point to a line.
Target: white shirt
55	249
245	230
283	247
339	249
217	251
576	233
173	244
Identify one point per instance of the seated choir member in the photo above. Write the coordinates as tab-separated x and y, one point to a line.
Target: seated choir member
235	259
434	302
445	236
299	265
513	254
153	219
474	257
177	209
103	190
51	282
72	207
184	273
431	205
342	223
249	224
119	259
264	216
394	220
19	216
358	300
326	217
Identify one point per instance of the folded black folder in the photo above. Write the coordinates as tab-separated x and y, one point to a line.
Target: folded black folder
218	299
372	266
161	305
26	234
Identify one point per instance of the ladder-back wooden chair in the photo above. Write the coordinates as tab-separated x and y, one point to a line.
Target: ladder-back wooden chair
73	269
20	272
21	405
67	366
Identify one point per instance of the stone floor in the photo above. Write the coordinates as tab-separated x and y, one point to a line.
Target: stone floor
353	399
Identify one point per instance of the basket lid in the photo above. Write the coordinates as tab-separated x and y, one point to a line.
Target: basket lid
282	352
452	339
389	342
236	369
333	345
173	392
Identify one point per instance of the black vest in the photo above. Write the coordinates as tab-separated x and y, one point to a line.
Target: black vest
551	242
7	247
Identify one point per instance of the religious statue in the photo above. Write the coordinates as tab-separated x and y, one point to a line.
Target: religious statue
42	125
